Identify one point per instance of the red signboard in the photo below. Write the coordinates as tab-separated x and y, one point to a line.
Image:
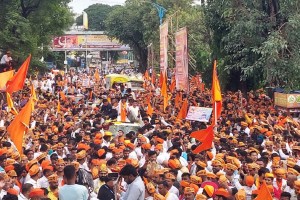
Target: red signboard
182	61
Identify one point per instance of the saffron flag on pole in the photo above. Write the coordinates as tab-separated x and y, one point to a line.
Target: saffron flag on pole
146	76
178	99
164	90
62	96
264	193
173	84
33	95
97	75
205	136
149	109
19	125
184	110
17	82
216	94
161	79
216	90
4	77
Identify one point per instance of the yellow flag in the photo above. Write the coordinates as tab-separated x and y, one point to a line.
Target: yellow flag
10	104
96	75
4	77
33	94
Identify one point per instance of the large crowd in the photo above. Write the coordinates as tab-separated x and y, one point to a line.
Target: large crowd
69	152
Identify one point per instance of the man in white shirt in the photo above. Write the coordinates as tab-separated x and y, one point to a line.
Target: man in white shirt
244	127
170	179
290	185
136	186
6	59
134	112
34	173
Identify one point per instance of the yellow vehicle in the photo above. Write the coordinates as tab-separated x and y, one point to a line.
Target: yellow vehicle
133	82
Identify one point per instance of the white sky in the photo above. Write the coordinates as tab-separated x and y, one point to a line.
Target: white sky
79	5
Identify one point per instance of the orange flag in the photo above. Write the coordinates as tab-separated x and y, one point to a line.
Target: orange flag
149	109
184	109
216	90
16	83
164	91
146	76
264	193
173	84
62	95
178	99
96	75
19	125
205	136
4	77
216	94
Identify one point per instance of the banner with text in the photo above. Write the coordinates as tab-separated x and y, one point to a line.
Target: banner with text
164	46
200	114
77	42
182	60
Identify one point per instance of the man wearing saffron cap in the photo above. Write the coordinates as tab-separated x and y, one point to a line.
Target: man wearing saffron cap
34	176
53	187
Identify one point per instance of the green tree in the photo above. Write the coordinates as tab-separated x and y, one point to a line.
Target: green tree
137	24
255	40
97	15
126	23
27	25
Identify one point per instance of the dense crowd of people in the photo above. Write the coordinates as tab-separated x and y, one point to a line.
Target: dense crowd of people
69	152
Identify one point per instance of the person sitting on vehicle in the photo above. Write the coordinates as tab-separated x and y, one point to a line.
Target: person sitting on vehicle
6	61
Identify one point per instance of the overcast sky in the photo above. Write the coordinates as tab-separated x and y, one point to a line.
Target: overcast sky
79	5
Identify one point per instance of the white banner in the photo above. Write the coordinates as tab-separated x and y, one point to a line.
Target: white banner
200	114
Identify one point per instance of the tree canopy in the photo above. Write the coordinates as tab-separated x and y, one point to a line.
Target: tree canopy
97	15
255	42
27	25
137	24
